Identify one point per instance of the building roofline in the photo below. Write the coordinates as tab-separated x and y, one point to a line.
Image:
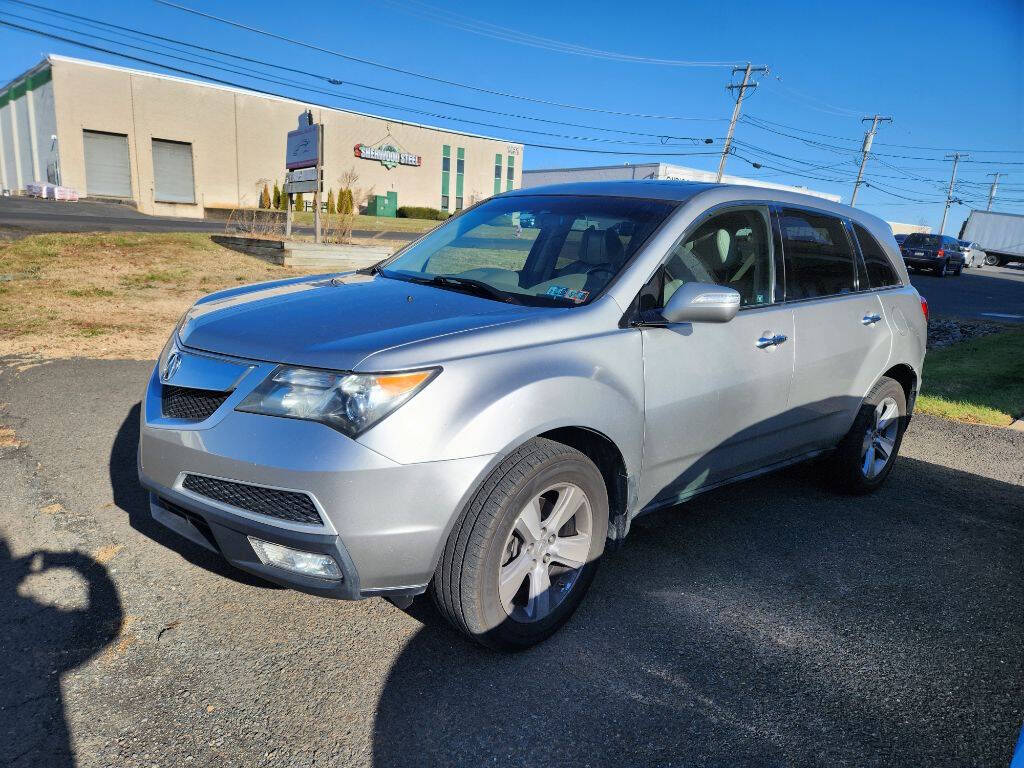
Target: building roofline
45	62
54	57
597	167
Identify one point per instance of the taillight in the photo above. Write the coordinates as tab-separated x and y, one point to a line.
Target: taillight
940	254
924	308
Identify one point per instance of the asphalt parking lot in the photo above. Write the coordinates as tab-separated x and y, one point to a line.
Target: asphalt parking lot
27	215
769	624
989	293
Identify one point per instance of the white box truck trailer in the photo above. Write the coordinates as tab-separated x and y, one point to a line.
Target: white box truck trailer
999	235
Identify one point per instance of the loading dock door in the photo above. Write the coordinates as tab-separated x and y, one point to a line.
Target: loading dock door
107	173
172	172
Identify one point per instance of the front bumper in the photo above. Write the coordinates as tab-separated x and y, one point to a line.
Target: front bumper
922	263
384	523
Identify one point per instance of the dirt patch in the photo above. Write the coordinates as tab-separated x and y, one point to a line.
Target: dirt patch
111	295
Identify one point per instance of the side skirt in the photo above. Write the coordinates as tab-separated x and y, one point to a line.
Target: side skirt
673	501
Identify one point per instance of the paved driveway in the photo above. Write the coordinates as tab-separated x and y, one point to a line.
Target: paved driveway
769	624
990	293
27	215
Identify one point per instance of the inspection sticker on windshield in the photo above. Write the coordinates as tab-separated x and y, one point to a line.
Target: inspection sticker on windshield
566	293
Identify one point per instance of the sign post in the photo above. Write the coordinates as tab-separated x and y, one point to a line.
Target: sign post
304	161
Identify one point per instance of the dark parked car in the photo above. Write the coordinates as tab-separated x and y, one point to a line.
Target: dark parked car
939	253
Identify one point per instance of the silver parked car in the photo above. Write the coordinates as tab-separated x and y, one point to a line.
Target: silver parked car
479	414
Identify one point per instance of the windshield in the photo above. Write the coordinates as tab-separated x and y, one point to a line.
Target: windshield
540	249
918	240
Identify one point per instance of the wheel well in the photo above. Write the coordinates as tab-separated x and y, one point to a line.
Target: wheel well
905	375
608	458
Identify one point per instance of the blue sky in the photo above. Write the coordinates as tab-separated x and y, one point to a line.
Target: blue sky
950	74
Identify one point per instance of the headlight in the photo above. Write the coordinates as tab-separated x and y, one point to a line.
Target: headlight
348	402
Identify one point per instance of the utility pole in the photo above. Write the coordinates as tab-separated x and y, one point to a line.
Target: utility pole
742	88
955	157
869	137
992	189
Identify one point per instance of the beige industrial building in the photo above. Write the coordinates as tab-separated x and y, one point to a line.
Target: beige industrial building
176	147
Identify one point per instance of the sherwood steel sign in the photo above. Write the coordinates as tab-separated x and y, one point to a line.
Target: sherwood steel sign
388	155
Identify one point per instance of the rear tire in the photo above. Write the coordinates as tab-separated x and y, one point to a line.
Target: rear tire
506	577
959	270
866	456
992	260
943	270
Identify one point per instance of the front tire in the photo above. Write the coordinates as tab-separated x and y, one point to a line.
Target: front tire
523	553
866	456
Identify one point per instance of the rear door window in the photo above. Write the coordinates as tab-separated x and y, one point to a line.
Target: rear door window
880	269
819	256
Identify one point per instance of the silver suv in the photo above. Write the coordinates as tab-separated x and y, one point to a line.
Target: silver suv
479	414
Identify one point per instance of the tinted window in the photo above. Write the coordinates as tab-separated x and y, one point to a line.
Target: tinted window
819	258
880	271
919	240
732	249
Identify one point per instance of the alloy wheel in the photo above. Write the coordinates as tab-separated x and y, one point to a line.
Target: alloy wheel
545	552
880	438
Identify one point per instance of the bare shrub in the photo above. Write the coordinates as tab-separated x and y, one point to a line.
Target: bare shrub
338	227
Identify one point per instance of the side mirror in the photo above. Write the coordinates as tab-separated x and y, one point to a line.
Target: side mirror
702	303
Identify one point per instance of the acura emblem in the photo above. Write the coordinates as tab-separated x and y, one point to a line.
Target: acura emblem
172	366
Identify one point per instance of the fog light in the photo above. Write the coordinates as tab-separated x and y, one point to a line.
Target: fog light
306	563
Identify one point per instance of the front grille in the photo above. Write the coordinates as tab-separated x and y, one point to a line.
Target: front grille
190	404
284	505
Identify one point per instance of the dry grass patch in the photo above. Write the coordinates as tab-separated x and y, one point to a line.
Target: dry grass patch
111	295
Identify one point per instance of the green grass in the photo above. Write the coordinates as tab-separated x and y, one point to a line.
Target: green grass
980	381
92	292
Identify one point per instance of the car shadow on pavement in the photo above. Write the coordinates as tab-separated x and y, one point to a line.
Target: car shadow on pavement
130	496
42	641
771	623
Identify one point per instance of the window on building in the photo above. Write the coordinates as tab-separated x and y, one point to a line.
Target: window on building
880	269
458	203
444	202
446	163
172	172
731	249
819	256
460	164
510	172
497	174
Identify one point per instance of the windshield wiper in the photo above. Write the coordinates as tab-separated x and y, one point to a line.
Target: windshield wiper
469	285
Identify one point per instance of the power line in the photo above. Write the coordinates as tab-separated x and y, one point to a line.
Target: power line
420	75
882	143
232	84
494	31
662	138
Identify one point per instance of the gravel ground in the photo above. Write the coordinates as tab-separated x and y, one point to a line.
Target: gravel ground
770	624
944	331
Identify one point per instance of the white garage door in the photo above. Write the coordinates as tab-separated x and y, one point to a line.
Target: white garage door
107	172
172	172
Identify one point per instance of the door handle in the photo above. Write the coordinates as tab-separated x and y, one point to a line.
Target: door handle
772	340
871	318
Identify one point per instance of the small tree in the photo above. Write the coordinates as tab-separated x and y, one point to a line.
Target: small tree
300	204
331	209
277	197
265	197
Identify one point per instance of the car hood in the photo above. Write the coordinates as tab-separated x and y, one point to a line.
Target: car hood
335	322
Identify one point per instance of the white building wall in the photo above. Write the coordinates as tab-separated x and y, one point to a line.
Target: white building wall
653	171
